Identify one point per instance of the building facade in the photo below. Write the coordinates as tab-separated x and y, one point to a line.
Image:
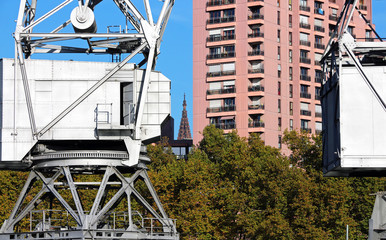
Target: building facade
256	63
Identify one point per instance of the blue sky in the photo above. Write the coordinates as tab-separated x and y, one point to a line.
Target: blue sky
175	60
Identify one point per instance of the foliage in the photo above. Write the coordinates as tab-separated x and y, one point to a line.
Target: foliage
238	188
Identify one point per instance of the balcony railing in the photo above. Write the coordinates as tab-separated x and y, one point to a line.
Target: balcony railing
317	97
305	129
221	91
304	8
255	0
228	108
216	38
332	1
305	95
363	7
318	131
256	53
256	124
333	17
305	25
221	55
221	20
255	35
257	70
222	73
305	112
318	114
318	79
225	126
305	60
319	11
319	46
219	2
256	88
255	106
319	28
256	16
305	43
305	77
317	63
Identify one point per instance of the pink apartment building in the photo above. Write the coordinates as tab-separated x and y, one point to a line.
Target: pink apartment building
256	63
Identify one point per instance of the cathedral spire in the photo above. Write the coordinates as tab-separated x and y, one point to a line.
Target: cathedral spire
184	132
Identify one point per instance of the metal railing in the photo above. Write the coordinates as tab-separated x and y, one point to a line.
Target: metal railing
256	88
221	73
256	53
305	25
255	16
305	43
225	126
221	55
305	112
362	7
305	95
319	28
304	8
319	45
308	130
333	17
217	38
319	11
255	35
255	106
221	91
318	79
221	20
221	109
219	2
257	70
318	114
305	77
305	60
256	124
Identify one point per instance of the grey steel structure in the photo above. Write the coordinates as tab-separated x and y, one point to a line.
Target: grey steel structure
62	120
354	110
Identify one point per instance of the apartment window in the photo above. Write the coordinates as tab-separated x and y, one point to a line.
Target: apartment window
317	93
279	71
290	38
215	16
278	17
229	13
279	123
290	21
278	53
278	35
289	4
303	3
304	124
279	88
279	106
290	73
229	102
291	90
350	30
290	56
291	108
291	124
279	141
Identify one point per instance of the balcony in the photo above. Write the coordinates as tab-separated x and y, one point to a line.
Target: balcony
255	0
225	125
305	129
317	97
256	88
319	11
319	46
220	74
305	43
333	17
255	35
257	70
256	124
304	8
255	106
221	55
221	91
219	2
305	112
305	25
255	16
256	53
221	20
228	108
217	38
305	60
305	95
318	79
305	77
362	7
318	114
319	28
317	63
